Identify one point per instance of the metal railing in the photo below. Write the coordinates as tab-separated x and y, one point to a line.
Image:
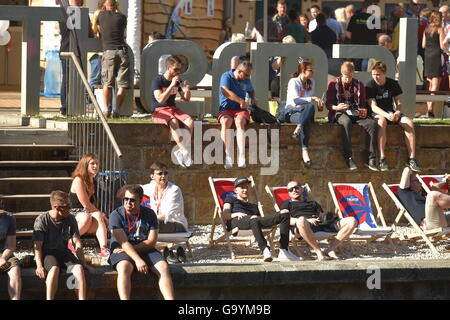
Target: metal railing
90	133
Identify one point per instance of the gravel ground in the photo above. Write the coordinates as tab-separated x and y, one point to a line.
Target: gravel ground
377	250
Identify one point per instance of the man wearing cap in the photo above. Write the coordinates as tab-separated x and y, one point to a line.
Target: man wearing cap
239	212
305	216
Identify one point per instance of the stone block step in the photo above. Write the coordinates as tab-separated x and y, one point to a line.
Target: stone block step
24	196
37	136
22	163
27	215
35	172
13	185
26	202
36	146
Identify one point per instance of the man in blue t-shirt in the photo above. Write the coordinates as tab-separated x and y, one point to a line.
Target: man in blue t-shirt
134	232
233	109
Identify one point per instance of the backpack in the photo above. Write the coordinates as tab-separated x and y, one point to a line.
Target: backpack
261	116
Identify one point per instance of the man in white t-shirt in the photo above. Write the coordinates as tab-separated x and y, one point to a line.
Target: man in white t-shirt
314	11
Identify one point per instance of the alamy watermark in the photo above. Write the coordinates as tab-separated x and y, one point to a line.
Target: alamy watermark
374	280
213	153
73	18
374	21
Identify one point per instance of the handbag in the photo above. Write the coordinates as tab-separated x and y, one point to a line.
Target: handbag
261	116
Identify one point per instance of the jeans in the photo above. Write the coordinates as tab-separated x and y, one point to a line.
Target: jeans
369	125
95	78
65	71
257	224
303	117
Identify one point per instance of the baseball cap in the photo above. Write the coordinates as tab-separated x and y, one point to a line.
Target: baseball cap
241	180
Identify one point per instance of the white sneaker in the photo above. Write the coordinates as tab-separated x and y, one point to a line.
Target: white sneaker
241	162
187	161
228	162
179	156
267	255
286	255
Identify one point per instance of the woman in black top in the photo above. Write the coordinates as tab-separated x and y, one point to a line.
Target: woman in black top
82	198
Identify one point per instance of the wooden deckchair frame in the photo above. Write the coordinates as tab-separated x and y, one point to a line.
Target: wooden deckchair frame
424	184
227	236
379	217
296	239
421	234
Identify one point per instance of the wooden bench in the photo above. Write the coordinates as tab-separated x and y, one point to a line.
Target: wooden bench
436	96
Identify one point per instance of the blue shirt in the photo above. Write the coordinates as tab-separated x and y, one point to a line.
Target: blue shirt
138	231
240	88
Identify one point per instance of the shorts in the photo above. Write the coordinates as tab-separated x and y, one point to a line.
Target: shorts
59	258
331	228
13	261
165	114
116	67
391	122
151	258
234	114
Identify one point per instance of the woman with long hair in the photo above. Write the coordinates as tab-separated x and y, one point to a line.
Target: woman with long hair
433	41
226	32
300	107
304	21
90	219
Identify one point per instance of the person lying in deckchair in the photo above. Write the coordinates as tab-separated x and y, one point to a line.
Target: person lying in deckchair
427	211
308	218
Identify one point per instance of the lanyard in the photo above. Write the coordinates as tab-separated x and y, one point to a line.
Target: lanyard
347	93
130	227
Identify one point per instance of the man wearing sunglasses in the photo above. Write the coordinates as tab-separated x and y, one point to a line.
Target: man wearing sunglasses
134	232
166	200
305	217
165	88
51	233
234	109
239	212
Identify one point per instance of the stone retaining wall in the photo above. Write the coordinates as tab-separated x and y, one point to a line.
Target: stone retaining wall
142	144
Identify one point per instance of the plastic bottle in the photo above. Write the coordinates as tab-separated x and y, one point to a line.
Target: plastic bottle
248	30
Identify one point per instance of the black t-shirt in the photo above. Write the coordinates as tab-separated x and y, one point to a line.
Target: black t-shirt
112	28
242	206
161	83
324	37
305	209
384	95
414	203
361	34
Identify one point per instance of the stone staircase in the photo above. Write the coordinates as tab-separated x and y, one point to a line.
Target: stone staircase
33	162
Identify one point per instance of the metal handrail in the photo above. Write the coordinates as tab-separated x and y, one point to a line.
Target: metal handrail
94	101
90	132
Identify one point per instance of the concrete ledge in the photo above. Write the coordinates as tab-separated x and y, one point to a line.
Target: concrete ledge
405	279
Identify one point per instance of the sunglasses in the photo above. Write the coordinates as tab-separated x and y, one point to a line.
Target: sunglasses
297	188
165	173
177	69
132	200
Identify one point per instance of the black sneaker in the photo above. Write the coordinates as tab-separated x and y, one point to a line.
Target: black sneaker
373	165
171	257
351	165
383	165
181	256
413	165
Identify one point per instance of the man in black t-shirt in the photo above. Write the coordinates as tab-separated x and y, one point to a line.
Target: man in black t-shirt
165	88
359	33
305	217
116	55
383	95
239	212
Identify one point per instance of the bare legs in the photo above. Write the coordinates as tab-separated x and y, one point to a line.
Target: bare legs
161	270
226	123
408	128
107	96
346	227
434	84
15	283
93	223
51	281
174	126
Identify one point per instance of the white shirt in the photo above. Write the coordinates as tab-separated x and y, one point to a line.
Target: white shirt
297	96
172	203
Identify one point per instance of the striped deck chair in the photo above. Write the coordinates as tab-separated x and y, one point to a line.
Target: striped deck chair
164	239
353	200
221	188
426	179
426	235
280	194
